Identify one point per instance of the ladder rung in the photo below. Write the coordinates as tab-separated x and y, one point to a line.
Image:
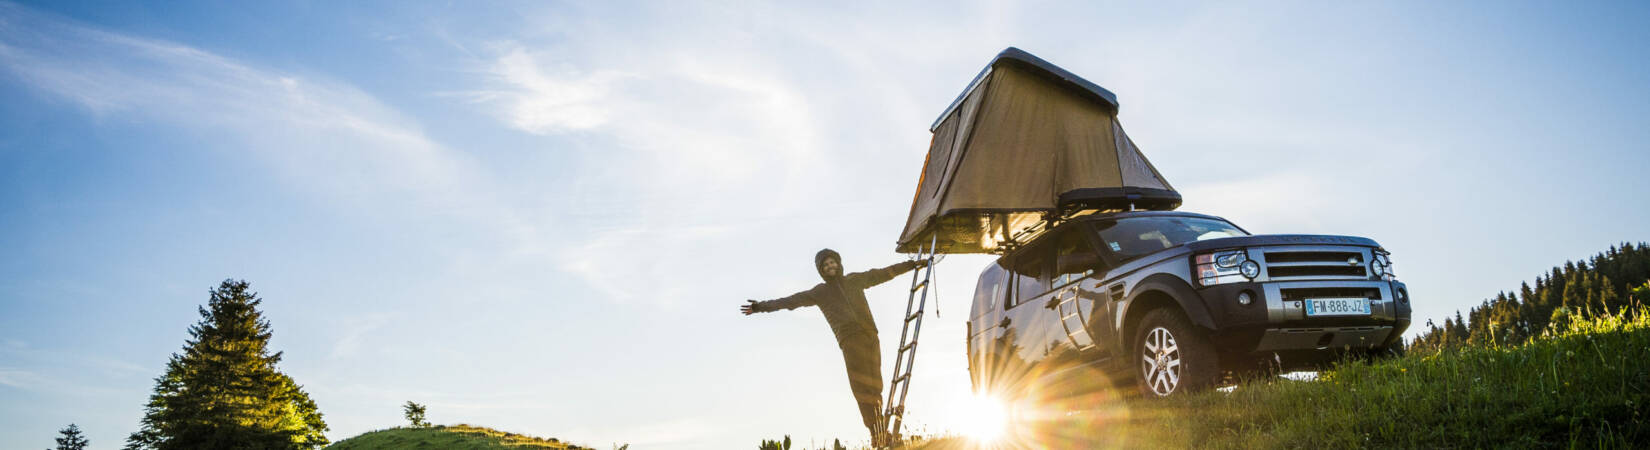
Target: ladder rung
895	412
1068	316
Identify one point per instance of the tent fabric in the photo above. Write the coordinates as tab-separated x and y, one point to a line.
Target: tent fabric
1025	141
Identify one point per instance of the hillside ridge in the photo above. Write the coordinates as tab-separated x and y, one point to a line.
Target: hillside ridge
460	437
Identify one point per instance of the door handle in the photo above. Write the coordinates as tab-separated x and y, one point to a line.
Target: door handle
1004	323
1052	303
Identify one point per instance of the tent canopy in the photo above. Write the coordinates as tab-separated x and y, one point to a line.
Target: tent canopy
1024	142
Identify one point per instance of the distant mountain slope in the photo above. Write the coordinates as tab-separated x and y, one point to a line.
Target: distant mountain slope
462	437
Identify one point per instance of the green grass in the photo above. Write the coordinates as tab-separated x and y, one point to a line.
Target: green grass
1584	387
448	437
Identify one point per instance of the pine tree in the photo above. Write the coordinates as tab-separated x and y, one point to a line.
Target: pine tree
72	439
1611	282
224	391
1458	333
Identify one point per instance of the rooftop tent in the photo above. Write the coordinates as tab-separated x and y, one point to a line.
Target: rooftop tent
1024	142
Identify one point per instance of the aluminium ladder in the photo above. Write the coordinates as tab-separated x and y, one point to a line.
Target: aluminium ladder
906	358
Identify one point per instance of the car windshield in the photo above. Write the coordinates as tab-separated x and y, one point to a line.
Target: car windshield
1136	236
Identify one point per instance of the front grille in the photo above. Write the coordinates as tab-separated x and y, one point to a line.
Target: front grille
1315	271
1313	257
1291	264
1306	293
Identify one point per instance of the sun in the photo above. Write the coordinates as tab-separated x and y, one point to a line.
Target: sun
984	419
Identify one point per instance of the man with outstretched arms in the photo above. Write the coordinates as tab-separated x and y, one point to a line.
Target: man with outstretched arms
842	299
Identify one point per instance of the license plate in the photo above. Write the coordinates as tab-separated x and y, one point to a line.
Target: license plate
1337	307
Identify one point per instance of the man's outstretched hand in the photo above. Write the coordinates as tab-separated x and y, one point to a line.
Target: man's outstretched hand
748	308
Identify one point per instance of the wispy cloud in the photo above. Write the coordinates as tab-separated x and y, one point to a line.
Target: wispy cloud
687	141
708	138
49	383
20	379
541	98
324	136
350	343
21	352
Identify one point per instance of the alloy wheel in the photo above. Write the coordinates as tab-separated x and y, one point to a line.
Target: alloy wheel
1161	365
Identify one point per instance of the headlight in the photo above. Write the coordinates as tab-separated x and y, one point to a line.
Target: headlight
1229	266
1381	266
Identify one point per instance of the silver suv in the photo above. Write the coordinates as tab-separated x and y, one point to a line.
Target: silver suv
1171	301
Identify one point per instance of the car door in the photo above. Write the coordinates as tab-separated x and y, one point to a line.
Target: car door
1077	291
1029	335
1110	289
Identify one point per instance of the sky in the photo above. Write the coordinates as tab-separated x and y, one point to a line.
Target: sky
542	216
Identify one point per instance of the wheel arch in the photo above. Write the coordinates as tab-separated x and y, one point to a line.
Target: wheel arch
1161	291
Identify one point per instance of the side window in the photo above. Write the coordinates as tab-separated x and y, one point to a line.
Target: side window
990	290
1030	274
1074	258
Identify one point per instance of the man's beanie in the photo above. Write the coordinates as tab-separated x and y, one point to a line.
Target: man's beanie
819	259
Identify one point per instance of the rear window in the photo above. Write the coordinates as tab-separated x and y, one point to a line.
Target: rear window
1133	237
1029	279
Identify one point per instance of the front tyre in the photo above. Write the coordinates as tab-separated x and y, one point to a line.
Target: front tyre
1173	356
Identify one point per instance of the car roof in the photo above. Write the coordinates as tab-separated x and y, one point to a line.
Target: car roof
1127	214
1091	218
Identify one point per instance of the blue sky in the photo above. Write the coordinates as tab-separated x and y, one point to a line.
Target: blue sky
541	216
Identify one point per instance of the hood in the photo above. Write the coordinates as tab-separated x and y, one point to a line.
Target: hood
1280	239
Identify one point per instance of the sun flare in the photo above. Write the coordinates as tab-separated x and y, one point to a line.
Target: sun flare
985	419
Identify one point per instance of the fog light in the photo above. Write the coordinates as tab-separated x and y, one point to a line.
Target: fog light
1250	269
1244	298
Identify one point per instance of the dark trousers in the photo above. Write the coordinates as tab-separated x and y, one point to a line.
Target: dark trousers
863	356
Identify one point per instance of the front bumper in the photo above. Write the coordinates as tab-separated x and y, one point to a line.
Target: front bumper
1276	320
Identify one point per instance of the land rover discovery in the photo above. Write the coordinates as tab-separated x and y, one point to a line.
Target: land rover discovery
1171	301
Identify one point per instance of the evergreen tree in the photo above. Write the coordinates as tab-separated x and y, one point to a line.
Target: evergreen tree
224	391
72	439
1459	332
1610	282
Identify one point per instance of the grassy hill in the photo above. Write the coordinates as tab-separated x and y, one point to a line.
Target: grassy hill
462	437
1584	386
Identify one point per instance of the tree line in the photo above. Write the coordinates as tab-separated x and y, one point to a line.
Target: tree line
1607	283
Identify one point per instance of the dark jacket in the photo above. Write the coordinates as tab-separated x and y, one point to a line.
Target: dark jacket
842	300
